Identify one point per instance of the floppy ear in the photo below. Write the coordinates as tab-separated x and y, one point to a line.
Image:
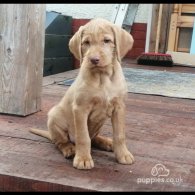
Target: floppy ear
123	41
75	44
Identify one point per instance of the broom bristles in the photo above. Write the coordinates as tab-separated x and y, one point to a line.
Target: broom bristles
155	59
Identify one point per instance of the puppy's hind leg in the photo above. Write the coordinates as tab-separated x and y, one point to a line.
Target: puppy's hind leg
102	143
61	139
67	149
98	141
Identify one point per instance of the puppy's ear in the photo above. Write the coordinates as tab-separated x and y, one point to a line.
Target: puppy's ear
75	44
123	41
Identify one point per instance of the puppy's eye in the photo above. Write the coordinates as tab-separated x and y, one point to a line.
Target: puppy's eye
86	42
107	40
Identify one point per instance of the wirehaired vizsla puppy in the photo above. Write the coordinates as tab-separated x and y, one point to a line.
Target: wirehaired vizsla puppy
98	93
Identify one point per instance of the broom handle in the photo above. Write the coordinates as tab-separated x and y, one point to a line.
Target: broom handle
158	28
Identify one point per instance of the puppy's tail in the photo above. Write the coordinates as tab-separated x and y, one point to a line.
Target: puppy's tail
42	133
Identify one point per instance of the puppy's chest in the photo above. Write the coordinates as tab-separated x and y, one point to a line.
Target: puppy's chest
104	102
105	97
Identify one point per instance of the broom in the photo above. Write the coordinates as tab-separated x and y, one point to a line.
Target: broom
156	58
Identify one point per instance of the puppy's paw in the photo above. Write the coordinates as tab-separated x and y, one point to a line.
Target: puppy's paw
69	151
125	158
83	162
108	146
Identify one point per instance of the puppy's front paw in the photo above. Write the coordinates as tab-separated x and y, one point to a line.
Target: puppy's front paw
83	162
125	158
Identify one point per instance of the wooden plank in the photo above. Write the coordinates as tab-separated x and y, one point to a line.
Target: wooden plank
21	57
172	32
188	8
176	39
55	165
146	108
158	28
19	184
185	21
180	49
153	30
178	29
106	176
165	23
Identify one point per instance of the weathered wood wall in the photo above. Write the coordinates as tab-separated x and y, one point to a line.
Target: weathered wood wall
21	57
165	22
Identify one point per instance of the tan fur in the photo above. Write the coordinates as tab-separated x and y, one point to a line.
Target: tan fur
97	93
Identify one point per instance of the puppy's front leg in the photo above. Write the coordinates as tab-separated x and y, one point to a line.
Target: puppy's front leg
120	149
82	159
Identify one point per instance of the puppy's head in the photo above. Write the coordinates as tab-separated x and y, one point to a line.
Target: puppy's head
99	43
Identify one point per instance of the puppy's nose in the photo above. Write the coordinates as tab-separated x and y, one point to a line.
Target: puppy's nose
94	60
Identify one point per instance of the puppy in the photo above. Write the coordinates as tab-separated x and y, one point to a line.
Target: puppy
98	93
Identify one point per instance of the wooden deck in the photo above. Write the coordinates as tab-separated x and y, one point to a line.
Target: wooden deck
158	130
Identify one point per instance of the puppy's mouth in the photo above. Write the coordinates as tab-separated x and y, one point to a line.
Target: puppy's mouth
99	65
